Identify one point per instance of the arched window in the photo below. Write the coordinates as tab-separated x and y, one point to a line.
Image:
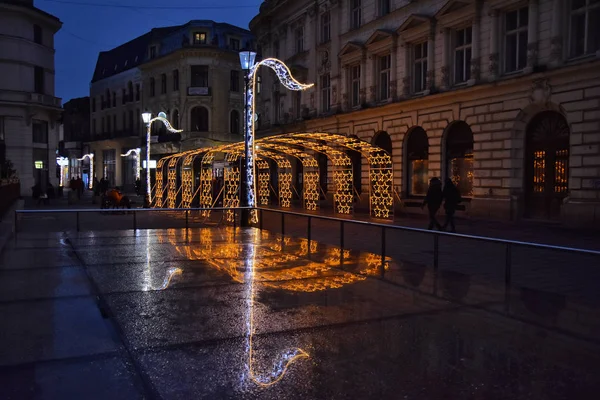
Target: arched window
459	157
417	162
546	165
234	122
175	119
383	141
199	119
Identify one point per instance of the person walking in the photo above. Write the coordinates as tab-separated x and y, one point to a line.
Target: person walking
452	198
433	201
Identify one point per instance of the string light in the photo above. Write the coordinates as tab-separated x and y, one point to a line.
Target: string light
63	162
91	157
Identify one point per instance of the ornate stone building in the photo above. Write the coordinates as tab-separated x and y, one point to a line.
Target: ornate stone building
191	72
502	96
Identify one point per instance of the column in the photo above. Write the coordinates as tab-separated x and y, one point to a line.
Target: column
556	49
446	60
494	54
532	36
394	71
431	59
476	46
363	79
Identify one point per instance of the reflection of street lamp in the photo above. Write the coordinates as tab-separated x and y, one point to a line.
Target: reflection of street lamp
91	157
136	154
247	59
148	120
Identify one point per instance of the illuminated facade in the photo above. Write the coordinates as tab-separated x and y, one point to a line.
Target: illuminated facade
502	96
183	182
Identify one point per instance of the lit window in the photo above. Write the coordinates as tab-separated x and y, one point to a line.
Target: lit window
199	38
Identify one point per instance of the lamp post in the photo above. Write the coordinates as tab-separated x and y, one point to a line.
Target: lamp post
148	120
91	157
247	61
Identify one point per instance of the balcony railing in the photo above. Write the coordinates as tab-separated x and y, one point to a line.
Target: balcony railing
199	91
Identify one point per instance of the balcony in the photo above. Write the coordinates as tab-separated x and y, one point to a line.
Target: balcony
199	91
29	98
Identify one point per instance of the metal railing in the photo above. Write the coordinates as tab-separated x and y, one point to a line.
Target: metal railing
508	245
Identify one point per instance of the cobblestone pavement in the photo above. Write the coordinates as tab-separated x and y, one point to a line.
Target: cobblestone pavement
223	313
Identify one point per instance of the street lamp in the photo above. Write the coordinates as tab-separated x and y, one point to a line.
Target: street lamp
247	61
148	120
91	157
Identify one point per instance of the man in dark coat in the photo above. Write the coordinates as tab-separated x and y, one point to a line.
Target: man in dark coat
433	201
451	200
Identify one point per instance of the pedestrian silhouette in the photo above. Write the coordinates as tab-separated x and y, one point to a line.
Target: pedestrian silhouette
451	200
433	201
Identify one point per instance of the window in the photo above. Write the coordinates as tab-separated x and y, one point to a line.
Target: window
356	14
584	31
234	81
93	104
176	80
102	103
123	96
384	7
299	35
152	51
258	84
417	153
137	92
130	91
37	34
234	44
276	48
384	69
163	84
137	119
355	85
107	98
38	79
515	40
325	93
199	38
40	131
114	99
199	75
199	119
175	119
419	67
109	163
325	28
462	55
152	87
234	122
459	157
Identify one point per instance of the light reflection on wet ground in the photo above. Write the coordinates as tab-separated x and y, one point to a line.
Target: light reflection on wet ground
218	313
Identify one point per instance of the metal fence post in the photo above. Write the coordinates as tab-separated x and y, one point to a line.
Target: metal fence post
134	220
507	276
77	217
435	251
383	251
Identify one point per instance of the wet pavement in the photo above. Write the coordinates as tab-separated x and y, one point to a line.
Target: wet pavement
223	313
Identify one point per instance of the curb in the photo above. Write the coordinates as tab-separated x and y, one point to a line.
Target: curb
7	225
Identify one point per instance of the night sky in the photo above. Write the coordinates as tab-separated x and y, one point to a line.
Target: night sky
91	26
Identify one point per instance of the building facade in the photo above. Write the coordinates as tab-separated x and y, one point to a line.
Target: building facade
501	96
75	132
29	111
191	72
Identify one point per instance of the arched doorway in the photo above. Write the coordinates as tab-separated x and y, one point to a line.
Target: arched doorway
546	165
459	157
384	141
417	162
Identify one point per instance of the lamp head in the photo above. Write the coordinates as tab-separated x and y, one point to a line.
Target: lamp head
247	59
162	115
146	117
